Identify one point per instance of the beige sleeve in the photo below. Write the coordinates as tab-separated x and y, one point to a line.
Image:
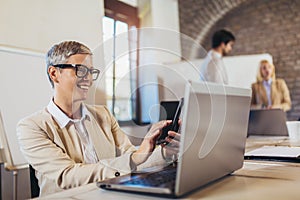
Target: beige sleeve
286	99
52	162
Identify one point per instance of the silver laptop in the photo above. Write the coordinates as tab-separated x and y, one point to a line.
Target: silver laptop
213	136
267	122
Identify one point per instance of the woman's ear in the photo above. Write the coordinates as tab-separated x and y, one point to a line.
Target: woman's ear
53	74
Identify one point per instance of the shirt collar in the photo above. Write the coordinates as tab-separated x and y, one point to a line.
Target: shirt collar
215	53
61	118
268	82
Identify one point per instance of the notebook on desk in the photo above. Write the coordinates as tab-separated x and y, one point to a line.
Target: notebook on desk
275	153
267	123
213	136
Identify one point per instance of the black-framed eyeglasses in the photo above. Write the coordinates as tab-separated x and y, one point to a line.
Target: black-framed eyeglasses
81	70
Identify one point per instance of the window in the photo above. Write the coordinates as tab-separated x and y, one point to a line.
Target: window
120	29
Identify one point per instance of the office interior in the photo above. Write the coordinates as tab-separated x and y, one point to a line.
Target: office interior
172	33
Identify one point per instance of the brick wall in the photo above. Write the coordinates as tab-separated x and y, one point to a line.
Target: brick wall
260	26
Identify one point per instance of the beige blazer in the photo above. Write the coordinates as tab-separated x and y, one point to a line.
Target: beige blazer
56	154
280	95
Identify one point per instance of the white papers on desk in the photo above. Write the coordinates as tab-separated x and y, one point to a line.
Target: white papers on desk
275	151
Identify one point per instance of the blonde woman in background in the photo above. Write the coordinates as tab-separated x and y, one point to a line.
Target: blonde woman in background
269	92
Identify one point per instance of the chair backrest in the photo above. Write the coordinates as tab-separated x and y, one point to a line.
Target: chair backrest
34	184
6	154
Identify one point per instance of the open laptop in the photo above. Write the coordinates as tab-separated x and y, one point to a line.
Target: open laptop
213	135
265	122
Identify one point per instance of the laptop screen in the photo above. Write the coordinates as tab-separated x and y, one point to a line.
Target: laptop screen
265	122
212	142
214	130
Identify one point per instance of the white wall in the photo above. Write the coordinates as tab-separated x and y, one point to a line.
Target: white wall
242	70
159	43
165	32
37	25
28	29
172	78
25	90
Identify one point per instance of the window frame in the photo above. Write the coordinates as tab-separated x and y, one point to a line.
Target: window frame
120	11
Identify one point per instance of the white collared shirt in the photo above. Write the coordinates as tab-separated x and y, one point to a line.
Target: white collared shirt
268	85
62	119
213	68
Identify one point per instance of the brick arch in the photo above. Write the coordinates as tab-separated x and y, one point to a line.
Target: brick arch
262	27
210	12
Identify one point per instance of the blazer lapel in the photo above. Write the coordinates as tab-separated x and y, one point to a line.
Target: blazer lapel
263	94
72	143
273	92
102	145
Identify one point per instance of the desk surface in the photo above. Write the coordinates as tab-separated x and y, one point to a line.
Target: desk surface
256	180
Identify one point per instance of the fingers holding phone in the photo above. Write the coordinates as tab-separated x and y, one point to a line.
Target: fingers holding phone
171	146
172	140
172	127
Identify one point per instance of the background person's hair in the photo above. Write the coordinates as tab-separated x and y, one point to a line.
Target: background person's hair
222	36
59	53
259	77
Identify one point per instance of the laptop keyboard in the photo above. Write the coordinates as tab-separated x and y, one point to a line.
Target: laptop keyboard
155	179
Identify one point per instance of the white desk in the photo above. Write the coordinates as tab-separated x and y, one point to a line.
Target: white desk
254	142
256	180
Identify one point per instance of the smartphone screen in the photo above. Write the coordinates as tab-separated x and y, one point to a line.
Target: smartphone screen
167	110
170	111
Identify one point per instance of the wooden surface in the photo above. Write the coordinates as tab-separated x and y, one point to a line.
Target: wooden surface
256	180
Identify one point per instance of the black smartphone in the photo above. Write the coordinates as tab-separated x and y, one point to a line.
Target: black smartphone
172	127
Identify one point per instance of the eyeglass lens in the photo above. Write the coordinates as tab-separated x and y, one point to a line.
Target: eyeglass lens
81	71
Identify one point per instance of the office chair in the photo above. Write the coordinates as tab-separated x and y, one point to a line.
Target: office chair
34	184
